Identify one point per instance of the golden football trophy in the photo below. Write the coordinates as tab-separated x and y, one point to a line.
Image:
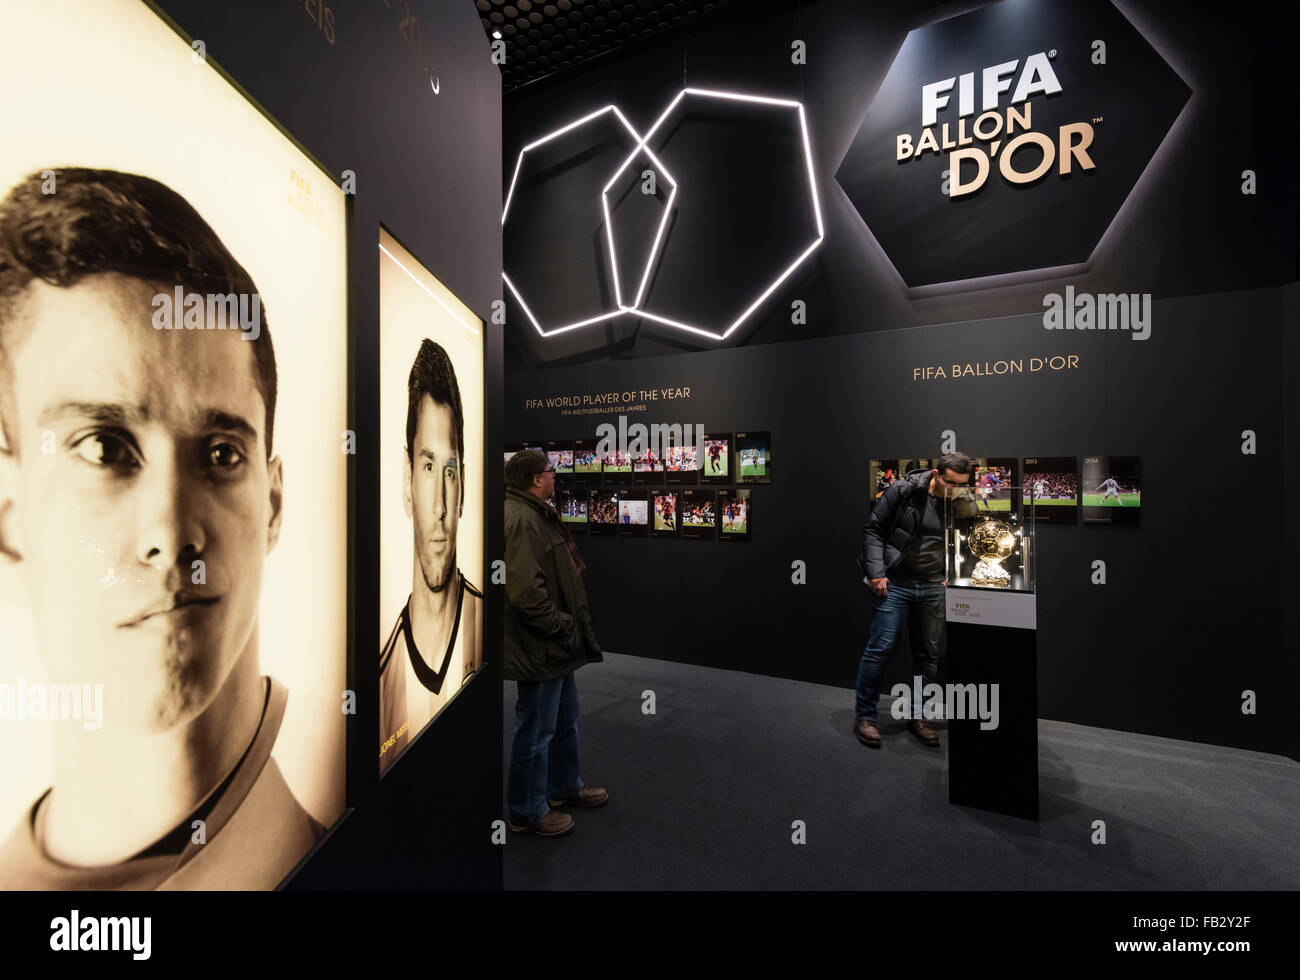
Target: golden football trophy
991	541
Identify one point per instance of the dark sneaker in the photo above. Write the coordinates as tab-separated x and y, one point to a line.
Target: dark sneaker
587	796
550	824
867	732
925	732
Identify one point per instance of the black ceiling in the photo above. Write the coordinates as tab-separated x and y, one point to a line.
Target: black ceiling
546	36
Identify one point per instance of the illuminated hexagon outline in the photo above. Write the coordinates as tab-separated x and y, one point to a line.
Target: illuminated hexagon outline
659	234
505	210
643	146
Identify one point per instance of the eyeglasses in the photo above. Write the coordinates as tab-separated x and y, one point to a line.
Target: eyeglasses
549	469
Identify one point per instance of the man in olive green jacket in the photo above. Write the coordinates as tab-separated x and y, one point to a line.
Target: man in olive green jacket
548	636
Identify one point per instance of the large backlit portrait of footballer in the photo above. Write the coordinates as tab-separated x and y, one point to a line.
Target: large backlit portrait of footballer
173	494
431	488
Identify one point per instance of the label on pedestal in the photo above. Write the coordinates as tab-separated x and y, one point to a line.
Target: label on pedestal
1017	610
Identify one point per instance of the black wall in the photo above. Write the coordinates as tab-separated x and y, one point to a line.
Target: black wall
1185	229
1192	615
428	167
1192	612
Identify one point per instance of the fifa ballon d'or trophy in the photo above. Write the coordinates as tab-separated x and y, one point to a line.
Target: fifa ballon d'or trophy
991	541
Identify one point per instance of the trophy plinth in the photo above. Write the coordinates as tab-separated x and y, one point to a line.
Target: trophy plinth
991	541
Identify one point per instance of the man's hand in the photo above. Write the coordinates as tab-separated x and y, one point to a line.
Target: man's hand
879	585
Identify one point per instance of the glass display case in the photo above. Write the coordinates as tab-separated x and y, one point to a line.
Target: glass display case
989	537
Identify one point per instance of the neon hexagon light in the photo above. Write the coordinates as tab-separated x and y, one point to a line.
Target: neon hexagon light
642	146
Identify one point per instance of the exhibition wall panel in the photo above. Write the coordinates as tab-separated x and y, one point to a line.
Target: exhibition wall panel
1166	646
406	98
1186	186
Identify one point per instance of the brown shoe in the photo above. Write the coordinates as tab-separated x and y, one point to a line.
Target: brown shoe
550	824
867	732
925	732
587	796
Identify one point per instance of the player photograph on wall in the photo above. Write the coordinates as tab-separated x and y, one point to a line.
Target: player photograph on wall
881	475
173	501
666	523
681	463
647	468
617	468
560	456
602	512
586	464
431	516
994	478
572	507
1053	483
1112	490
733	515
634	513
699	515
717	459
753	457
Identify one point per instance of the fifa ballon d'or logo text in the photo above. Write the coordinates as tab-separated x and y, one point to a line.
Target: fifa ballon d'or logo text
1003	132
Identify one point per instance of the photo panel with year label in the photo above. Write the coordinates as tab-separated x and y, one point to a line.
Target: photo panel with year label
881	475
681	463
992	482
1112	490
1053	484
716	466
560	457
753	457
648	468
602	512
431	491
699	514
617	468
666	521
572	507
733	514
634	513
156	231
586	463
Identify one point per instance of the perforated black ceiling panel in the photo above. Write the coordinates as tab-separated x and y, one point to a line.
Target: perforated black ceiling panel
546	36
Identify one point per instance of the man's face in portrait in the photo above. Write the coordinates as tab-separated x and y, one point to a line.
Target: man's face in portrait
143	501
433	494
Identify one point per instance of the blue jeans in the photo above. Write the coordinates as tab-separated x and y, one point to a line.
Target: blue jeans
921	604
544	755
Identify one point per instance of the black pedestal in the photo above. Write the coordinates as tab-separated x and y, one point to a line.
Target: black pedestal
995	769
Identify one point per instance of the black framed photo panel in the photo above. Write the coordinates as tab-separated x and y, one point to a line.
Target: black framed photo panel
716	466
753	457
699	514
602	511
734	514
634	513
586	463
1112	490
648	468
572	506
666	520
1052	482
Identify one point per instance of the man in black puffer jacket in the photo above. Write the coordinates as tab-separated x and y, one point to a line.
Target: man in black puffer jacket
903	561
548	636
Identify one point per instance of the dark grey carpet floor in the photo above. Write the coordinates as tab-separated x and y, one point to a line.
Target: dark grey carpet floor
703	795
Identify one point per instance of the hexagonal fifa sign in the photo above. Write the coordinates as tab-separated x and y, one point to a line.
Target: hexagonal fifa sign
1008	138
